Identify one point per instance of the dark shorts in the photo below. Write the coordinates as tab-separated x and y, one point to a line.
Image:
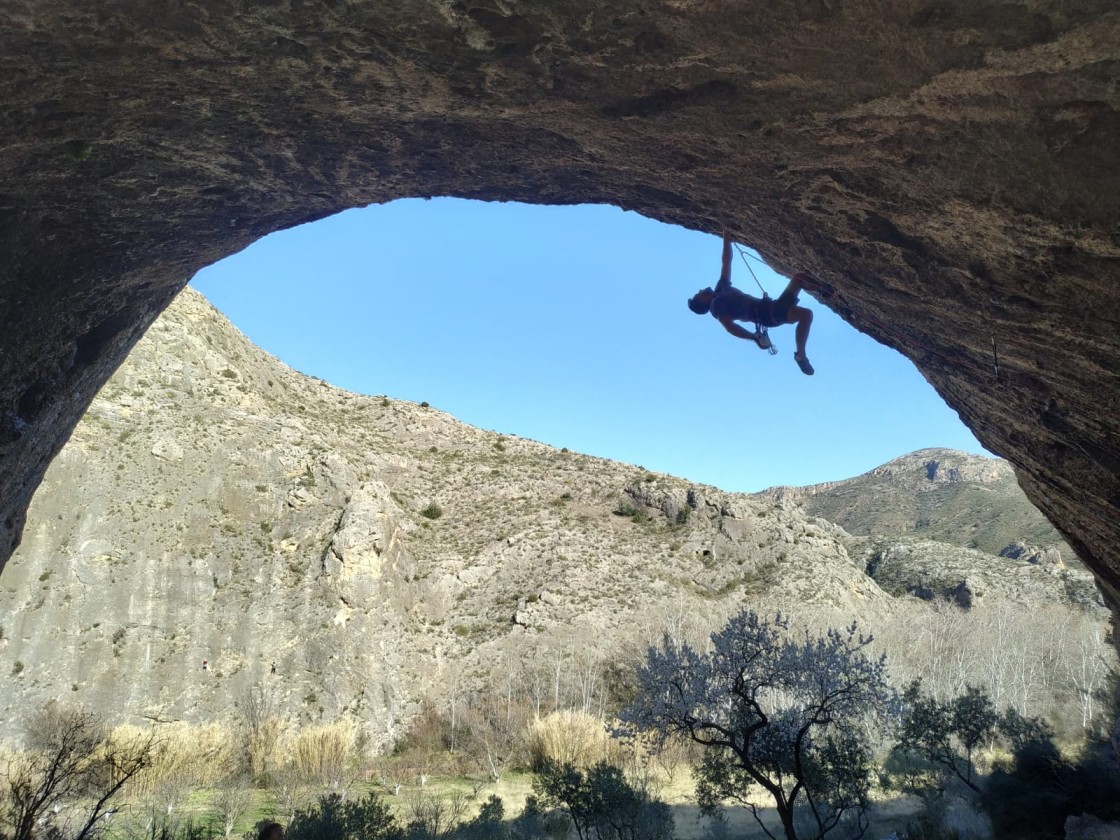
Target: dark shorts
773	313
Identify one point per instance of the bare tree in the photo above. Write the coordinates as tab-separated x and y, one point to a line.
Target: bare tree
232	800
70	766
589	680
537	679
438	816
1086	665
290	790
262	726
496	733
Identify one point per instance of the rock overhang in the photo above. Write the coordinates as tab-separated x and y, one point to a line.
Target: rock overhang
948	170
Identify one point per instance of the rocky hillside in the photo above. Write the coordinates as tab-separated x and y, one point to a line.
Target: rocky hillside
219	521
937	494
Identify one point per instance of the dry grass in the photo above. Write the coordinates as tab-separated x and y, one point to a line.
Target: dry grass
321	752
568	737
186	756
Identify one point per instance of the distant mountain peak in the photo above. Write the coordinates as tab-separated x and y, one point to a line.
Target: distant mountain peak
965	500
944	466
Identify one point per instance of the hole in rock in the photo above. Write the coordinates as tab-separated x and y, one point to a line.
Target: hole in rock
568	325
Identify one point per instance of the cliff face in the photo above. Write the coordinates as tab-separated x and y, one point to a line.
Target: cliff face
948	169
218	522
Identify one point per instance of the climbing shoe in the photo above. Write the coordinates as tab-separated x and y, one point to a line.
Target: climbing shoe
803	363
762	340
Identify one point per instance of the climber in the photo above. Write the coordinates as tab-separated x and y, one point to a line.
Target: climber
728	305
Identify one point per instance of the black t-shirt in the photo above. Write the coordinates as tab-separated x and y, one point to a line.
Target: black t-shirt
729	302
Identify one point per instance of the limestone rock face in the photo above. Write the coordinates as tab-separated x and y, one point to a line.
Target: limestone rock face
947	169
289	548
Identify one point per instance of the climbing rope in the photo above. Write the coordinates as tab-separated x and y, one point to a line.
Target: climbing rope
743	257
1001	371
762	331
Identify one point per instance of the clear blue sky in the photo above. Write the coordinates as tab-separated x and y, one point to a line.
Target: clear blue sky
568	325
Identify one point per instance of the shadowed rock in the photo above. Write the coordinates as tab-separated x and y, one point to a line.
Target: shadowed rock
948	171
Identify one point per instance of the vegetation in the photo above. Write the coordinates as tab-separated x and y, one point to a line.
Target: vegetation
65	782
541	695
335	818
791	716
601	804
801	727
946	736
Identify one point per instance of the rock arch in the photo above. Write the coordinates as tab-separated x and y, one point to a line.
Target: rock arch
946	167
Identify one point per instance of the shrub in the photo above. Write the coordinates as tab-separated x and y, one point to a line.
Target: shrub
567	737
1030	797
626	509
487	824
334	819
184	756
602	804
432	511
322	752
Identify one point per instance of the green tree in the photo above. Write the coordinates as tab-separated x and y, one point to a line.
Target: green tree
532	823
601	804
946	735
487	824
792	716
334	818
1030	796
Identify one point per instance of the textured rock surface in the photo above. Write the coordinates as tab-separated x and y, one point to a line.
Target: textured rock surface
937	494
292	534
947	168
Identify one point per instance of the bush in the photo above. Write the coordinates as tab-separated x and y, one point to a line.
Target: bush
323	752
1030	797
187	756
567	737
487	825
601	804
626	509
332	818
432	511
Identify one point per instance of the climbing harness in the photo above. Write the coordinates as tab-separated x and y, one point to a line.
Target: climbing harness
763	332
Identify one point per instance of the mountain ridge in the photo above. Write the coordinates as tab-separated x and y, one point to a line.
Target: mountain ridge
219	521
959	498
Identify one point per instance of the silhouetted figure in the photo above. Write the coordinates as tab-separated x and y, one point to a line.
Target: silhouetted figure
729	305
271	831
